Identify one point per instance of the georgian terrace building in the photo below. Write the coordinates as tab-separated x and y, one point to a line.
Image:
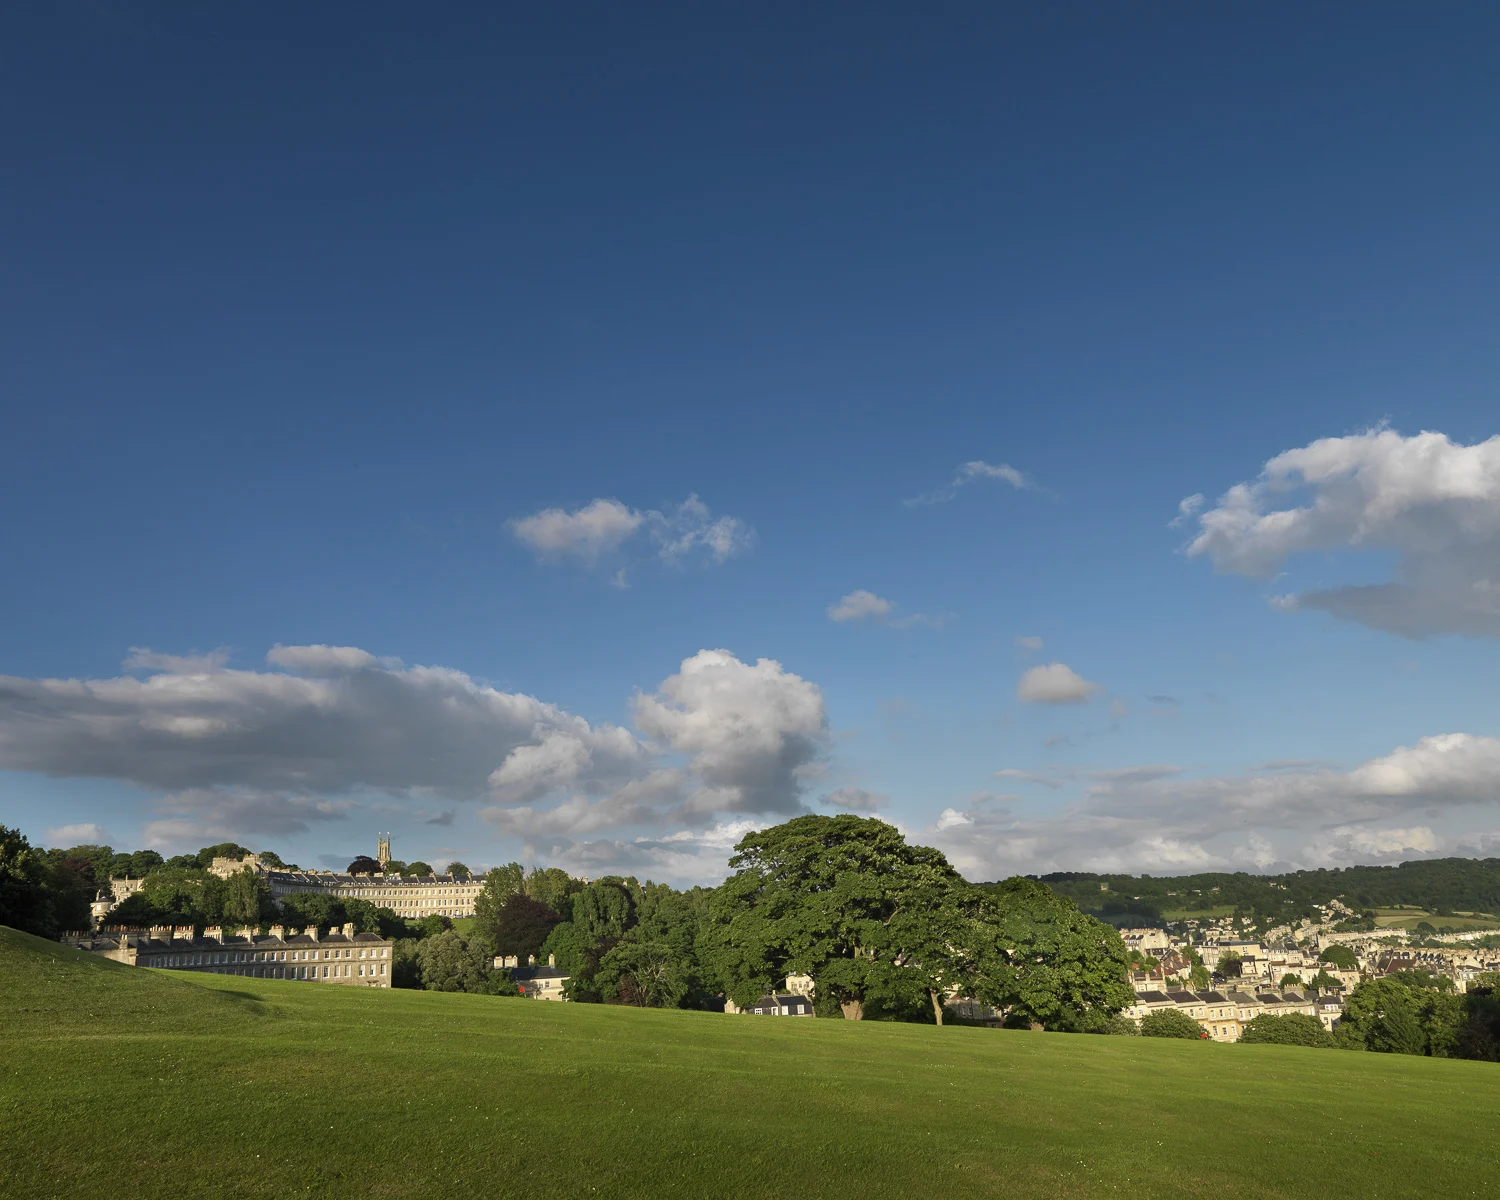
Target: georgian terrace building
411	896
342	956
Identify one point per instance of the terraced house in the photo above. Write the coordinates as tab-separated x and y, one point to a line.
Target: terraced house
339	957
1224	1015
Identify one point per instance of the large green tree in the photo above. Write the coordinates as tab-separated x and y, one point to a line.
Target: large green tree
26	902
500	884
1047	963
839	898
449	962
522	926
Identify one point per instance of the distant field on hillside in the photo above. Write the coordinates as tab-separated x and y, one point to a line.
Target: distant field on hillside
1201	914
120	1082
1409	918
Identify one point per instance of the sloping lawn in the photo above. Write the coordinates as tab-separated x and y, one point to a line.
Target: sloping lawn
122	1082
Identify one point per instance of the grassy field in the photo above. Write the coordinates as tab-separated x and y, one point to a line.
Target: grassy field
1409	917
121	1082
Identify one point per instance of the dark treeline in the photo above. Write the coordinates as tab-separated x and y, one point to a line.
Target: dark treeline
1441	885
886	930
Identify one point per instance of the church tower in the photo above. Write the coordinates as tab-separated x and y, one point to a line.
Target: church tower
383	854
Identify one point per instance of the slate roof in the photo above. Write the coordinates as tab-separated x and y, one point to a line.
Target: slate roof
526	974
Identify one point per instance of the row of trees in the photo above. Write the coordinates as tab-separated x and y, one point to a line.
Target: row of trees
1444	886
887	930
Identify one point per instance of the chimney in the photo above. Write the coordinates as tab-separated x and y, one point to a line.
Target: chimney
278	932
159	933
246	931
552	960
312	932
528	960
184	932
349	930
214	934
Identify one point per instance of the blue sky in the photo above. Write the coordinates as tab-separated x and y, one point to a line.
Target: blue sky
310	319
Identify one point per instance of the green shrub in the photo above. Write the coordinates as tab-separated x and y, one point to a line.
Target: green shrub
1169	1023
1293	1029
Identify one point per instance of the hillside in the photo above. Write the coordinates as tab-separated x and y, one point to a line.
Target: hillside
119	1082
1437	885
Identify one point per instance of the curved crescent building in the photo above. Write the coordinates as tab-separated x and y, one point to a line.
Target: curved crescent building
406	895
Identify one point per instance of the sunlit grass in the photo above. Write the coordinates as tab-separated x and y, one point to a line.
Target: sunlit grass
120	1082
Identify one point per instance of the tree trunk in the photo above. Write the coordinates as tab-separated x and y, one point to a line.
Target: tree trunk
937	1004
854	1010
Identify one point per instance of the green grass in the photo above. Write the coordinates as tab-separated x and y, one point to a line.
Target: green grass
1409	917
1201	914
121	1082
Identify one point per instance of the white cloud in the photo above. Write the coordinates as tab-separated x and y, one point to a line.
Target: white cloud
391	729
749	732
1055	683
688	856
854	799
142	659
1157	818
968	473
690	526
321	660
193	816
859	606
604	526
1432	501
1187	508
1029	643
87	834
1046	780
862	605
270	752
598	527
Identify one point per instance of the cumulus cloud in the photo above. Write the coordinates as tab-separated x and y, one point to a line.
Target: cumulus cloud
853	799
86	834
141	658
684	857
349	723
1432	502
323	660
862	605
1055	683
1158	818
605	525
586	533
194	815
968	473
274	752
750	739
750	732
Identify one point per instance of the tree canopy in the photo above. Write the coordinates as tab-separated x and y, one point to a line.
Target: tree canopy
1291	1029
1169	1023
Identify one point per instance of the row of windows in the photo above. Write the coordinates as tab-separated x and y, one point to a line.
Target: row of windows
785	1010
335	971
260	956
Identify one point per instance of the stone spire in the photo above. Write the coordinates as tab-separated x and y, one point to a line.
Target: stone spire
383	853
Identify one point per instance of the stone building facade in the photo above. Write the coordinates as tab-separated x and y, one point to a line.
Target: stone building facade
1224	1015
340	957
406	895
